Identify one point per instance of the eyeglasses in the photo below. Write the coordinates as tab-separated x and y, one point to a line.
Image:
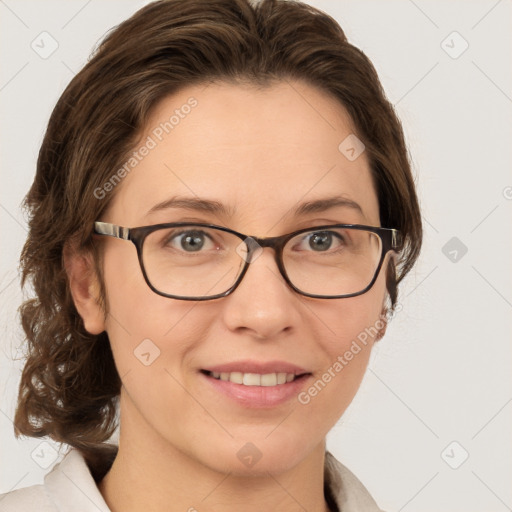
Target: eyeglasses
195	261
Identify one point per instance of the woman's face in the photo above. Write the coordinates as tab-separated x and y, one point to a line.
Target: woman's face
260	154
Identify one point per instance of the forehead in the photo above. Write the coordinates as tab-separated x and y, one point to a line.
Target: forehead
260	152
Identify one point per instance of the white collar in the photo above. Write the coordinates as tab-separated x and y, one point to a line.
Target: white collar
349	493
72	487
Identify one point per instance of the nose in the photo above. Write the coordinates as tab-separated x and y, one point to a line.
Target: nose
262	304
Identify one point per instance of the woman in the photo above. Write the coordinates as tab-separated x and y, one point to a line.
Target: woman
222	211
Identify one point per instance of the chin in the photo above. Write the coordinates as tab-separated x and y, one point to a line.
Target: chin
243	457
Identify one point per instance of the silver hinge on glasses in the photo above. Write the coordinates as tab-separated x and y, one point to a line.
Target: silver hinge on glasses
396	239
112	230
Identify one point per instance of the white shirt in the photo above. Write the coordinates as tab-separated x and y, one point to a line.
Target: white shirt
70	486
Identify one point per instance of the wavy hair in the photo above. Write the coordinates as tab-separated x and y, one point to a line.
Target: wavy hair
70	387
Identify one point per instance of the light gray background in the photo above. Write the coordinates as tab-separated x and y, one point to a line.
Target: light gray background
443	371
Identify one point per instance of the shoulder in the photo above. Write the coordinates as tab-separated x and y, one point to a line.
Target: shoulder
347	490
67	487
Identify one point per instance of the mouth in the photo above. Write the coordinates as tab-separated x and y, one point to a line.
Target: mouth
252	390
255	379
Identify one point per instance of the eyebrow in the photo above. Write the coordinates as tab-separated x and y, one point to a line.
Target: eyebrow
321	205
194	204
218	208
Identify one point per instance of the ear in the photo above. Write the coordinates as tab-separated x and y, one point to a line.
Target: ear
85	289
383	320
384	323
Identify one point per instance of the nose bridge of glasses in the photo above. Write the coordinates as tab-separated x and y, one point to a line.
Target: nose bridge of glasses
255	246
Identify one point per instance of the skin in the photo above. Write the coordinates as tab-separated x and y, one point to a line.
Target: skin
259	152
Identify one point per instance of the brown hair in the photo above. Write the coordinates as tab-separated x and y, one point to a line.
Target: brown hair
70	387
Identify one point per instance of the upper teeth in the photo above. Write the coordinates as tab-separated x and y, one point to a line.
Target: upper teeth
255	379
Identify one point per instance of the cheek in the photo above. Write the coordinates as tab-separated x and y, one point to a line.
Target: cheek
352	319
142	325
349	329
130	300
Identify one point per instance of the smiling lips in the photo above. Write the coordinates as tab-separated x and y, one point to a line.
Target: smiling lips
252	373
257	385
254	379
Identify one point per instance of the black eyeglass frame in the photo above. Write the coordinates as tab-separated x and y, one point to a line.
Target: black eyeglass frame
391	240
